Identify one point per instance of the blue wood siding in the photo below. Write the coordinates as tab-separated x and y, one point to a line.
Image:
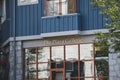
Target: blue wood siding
5	26
60	23
5	30
30	21
90	15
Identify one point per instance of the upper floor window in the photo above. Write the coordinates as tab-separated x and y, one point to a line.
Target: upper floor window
59	7
27	2
3	10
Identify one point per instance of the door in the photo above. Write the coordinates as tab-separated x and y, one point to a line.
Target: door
57	74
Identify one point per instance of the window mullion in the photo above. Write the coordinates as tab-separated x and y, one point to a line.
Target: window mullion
60	7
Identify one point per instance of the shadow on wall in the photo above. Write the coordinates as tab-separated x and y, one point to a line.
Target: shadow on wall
4	66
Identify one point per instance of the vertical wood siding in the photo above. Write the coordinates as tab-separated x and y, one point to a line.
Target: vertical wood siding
29	19
90	15
60	23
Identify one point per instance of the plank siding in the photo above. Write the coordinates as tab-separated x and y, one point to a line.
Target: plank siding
30	21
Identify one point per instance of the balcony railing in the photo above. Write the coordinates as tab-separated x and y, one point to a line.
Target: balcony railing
60	23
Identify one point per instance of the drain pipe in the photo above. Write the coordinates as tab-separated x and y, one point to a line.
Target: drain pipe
14	36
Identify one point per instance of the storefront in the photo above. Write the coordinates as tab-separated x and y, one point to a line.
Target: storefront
63	59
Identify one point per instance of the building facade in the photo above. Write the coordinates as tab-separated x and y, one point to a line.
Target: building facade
53	40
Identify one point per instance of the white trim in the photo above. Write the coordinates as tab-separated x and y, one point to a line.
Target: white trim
27	2
6	42
90	32
64	33
22	38
55	34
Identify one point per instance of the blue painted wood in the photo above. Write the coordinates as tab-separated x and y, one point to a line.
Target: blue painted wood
29	19
5	33
60	23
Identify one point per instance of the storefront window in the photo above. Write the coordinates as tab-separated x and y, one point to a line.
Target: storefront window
30	71
87	69
58	53
43	54
71	52
69	62
43	71
30	55
71	69
86	51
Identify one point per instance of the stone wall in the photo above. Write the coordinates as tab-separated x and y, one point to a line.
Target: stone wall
114	66
18	67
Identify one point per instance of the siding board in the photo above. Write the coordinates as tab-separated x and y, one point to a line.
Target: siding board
29	19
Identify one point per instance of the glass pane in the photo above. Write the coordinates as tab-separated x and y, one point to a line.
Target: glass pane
64	6
57	64
72	52
33	1
30	71
100	78
57	53
72	79
86	51
30	55
52	7
87	79
101	54
102	68
43	54
86	69
22	0
43	71
57	75
71	6
71	69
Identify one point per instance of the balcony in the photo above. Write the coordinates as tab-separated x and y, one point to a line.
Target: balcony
61	23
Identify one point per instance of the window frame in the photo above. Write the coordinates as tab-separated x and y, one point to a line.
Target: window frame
60	8
79	76
26	2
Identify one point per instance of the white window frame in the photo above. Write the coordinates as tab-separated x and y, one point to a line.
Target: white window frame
27	2
3	18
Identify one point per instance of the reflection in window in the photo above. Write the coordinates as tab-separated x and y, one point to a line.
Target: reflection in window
87	79
82	72
53	8
30	71
43	70
43	54
58	53
71	69
87	68
57	65
30	55
60	7
102	68
72	52
86	51
101	54
65	59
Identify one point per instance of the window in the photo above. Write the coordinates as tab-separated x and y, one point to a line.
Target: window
27	2
3	10
76	62
60	7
